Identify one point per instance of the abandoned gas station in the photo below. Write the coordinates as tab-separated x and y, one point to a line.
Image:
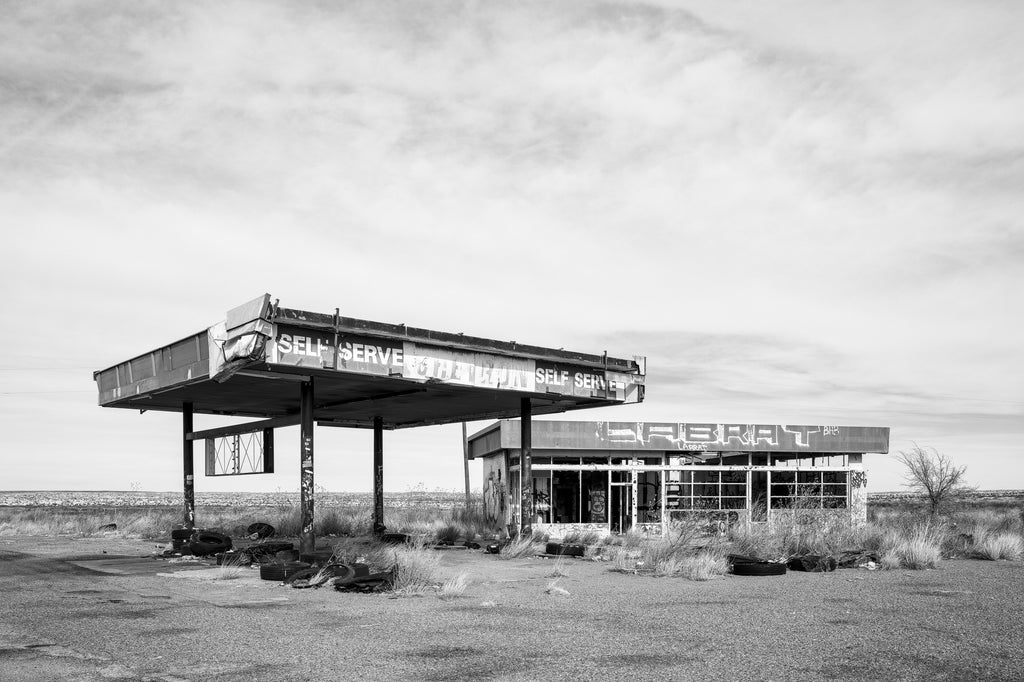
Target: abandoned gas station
284	367
612	477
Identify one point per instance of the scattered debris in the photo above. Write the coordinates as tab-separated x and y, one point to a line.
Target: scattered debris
814	563
260	531
856	558
107	527
281	571
752	566
554	588
395	538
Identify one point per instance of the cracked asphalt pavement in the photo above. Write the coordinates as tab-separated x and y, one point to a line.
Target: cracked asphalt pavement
103	609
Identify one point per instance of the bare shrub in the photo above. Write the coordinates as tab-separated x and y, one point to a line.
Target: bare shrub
933	474
454	587
994	546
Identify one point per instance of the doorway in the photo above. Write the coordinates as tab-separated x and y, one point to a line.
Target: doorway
621	507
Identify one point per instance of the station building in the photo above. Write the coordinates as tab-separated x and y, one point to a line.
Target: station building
611	477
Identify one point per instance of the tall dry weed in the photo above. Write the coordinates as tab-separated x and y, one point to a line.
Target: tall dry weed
999	545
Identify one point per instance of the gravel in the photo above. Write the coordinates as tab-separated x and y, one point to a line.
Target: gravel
165	621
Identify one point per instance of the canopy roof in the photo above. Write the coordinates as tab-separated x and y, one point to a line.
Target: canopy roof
252	364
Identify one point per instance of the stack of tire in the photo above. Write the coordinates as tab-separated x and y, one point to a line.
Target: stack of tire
558	549
208	543
180	537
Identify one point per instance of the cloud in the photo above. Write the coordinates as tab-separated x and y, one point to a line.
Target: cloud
821	202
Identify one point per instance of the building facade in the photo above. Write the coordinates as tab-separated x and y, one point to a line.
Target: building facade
611	477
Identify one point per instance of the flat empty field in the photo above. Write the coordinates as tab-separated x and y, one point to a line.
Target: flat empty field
103	609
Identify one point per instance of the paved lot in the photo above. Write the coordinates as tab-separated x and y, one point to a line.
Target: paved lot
68	611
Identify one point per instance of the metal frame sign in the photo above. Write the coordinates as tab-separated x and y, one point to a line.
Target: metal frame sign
302	347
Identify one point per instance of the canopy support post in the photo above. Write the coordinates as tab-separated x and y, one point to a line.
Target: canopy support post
525	470
188	466
307	542
378	475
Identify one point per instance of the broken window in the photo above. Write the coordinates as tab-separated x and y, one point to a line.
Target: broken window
809	490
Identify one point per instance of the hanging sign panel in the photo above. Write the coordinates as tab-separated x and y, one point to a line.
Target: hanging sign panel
301	347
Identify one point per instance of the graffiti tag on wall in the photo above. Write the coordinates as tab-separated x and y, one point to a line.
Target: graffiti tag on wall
740	437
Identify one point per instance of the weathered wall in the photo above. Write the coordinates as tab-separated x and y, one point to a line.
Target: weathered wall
495	472
858	490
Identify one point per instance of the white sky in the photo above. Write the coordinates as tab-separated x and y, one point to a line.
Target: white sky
801	212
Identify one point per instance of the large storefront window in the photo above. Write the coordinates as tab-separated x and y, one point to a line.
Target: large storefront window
706	490
570	496
809	490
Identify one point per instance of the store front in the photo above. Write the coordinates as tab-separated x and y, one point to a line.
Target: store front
611	477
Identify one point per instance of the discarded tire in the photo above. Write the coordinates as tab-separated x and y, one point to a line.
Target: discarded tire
558	548
493	548
207	542
266	550
181	533
259	530
813	563
759	568
281	572
303	575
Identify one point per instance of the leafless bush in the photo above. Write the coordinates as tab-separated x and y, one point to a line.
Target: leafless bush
933	474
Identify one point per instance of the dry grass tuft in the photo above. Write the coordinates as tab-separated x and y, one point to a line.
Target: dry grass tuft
556	589
521	548
703	566
231	572
454	587
416	570
560	567
995	546
920	547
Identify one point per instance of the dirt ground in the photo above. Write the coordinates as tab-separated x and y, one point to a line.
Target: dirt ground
103	609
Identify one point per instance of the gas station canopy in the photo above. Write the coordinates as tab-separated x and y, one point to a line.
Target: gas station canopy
252	363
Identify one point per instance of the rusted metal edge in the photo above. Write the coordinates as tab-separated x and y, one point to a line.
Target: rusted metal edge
250	427
98	372
302	318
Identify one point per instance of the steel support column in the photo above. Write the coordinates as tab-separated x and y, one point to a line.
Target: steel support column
307	542
525	469
378	476
188	465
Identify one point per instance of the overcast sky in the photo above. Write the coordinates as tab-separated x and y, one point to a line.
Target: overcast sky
800	212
